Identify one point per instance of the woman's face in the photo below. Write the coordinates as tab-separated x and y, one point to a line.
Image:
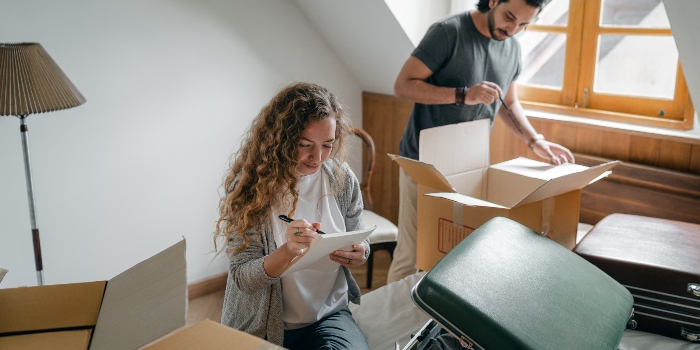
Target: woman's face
316	145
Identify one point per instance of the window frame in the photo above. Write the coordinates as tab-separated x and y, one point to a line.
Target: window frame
582	32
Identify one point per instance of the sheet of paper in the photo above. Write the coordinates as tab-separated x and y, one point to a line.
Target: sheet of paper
317	256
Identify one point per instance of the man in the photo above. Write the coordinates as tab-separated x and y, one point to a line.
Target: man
459	72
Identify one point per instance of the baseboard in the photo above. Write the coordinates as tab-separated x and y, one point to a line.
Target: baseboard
207	286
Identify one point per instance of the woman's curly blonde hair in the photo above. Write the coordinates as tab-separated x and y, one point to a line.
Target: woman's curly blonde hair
263	172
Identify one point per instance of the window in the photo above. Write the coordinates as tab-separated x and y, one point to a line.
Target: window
605	59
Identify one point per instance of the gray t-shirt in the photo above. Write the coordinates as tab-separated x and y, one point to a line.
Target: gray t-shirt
459	55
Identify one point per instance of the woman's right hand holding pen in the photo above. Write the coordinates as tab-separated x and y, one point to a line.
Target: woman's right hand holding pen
300	233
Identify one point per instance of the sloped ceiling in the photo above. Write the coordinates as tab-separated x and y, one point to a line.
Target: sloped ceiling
365	35
683	17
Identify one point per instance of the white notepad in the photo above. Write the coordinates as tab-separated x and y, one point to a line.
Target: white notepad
316	257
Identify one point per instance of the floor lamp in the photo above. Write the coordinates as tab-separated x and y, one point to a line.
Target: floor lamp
31	82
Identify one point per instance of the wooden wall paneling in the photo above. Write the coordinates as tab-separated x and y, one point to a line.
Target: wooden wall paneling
377	113
615	146
384	118
589	141
401	113
504	145
607	196
675	155
640	190
644	150
694	166
563	134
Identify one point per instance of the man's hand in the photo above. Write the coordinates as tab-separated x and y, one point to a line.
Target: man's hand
552	152
485	92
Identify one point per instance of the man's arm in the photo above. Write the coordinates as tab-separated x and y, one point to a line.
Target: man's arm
514	117
411	84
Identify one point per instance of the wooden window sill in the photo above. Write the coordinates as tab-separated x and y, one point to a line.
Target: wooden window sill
691	136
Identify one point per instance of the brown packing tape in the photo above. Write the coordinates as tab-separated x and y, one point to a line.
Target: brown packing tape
547	212
458	215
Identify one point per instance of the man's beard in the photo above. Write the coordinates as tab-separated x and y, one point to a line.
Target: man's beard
492	26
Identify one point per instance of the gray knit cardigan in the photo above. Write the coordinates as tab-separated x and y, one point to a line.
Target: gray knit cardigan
253	300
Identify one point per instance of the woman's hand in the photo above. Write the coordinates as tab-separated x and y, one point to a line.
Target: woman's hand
300	233
350	259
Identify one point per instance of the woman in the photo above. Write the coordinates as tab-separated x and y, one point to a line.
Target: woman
292	163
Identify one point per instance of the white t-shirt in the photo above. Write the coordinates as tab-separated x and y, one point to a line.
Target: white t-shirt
310	295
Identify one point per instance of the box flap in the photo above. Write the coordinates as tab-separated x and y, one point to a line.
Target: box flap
508	188
466	200
144	302
422	173
64	340
208	334
55	306
456	148
568	183
537	170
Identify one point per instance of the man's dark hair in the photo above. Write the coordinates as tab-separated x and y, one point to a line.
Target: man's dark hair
483	5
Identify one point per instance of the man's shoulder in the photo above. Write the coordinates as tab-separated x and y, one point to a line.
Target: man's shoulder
454	21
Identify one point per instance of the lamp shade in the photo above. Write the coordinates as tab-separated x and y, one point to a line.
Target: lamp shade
31	82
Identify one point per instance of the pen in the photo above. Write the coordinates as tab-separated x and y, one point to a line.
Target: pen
287	219
504	103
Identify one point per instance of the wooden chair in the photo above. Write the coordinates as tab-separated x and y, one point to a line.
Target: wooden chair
384	237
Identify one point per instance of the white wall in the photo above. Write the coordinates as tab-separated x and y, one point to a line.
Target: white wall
416	16
170	88
366	37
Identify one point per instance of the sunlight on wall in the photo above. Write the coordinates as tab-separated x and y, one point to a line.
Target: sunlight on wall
416	16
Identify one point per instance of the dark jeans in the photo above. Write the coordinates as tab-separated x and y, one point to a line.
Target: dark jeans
336	331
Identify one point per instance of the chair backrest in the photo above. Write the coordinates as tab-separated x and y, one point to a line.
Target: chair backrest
368	155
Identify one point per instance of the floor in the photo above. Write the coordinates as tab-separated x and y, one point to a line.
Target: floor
209	306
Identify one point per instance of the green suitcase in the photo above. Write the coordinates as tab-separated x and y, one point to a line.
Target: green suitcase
506	287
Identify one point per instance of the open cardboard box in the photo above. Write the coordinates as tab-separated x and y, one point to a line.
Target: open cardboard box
142	307
458	191
211	335
125	312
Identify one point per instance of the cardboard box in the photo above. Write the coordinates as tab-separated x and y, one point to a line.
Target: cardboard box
126	312
211	335
458	191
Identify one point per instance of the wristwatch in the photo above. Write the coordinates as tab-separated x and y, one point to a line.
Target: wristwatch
534	139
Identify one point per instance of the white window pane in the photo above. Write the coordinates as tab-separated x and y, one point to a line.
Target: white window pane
637	65
543	59
637	13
